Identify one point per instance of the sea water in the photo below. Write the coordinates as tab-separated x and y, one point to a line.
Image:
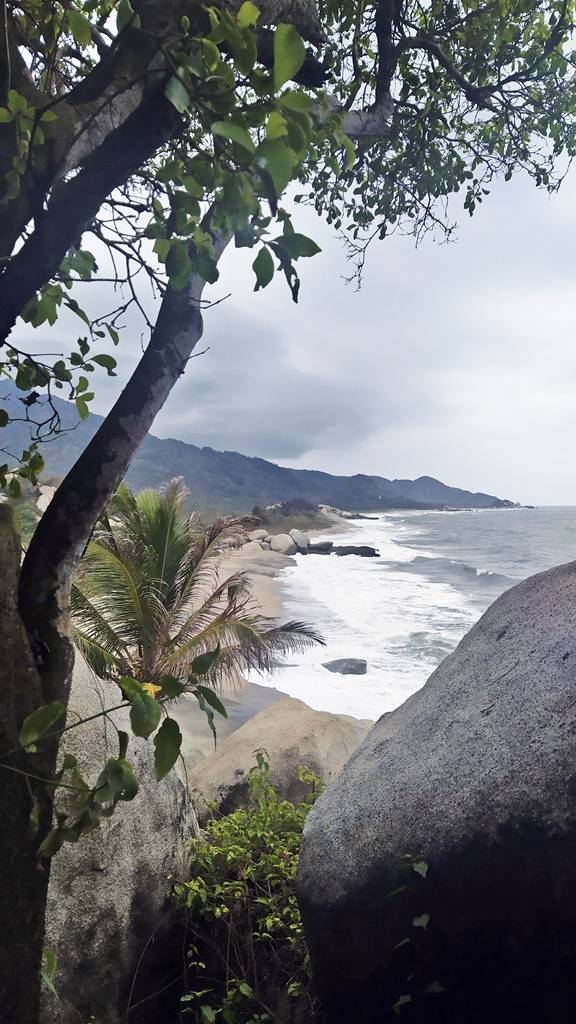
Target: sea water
405	611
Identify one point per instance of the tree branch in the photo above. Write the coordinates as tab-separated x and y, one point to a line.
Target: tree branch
66	525
77	201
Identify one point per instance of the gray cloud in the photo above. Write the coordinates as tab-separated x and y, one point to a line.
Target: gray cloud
455	360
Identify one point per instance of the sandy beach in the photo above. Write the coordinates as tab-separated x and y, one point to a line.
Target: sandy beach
242	699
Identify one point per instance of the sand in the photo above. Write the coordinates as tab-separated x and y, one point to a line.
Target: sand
241	699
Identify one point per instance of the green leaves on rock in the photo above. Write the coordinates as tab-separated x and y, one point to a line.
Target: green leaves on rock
39	722
263	267
167	744
289	54
145	714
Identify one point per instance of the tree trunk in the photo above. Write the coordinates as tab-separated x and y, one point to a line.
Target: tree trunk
24	883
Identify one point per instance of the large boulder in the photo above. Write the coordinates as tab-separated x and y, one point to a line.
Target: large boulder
257	534
301	540
283	543
292	735
109	922
442	858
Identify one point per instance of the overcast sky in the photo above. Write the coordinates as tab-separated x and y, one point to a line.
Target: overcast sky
456	361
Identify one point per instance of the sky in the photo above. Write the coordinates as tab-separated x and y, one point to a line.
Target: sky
456	361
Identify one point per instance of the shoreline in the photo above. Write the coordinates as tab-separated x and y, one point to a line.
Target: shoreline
243	699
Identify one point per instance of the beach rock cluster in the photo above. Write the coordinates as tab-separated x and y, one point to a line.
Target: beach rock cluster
284	543
293	735
297	542
437	877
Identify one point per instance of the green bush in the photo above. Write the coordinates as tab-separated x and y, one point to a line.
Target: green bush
247	957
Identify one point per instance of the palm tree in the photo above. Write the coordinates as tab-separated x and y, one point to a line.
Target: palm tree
148	598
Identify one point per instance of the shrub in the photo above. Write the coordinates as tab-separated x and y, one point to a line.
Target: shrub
247	958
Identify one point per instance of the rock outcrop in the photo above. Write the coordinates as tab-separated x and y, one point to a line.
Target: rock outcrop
438	872
347	666
301	540
108	919
292	735
283	543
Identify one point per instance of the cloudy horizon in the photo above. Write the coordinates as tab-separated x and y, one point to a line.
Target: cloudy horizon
454	361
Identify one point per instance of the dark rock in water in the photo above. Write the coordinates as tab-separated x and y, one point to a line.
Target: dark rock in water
453	826
347	666
357	549
324	547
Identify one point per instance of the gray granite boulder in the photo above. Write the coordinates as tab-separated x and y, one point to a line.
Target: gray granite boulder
283	543
347	666
109	921
293	735
258	535
301	540
438	871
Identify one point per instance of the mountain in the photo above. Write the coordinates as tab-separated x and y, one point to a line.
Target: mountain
230	481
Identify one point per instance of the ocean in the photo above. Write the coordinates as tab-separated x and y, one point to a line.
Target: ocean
405	611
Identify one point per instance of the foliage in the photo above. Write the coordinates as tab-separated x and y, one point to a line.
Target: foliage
248	960
150	597
438	99
153	617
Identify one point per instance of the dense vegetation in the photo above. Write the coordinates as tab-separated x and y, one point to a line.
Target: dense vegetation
247	956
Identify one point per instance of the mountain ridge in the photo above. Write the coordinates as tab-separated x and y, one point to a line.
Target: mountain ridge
231	481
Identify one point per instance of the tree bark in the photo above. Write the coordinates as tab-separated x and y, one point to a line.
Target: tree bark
24	884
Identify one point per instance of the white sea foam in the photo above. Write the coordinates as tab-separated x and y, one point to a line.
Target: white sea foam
400	622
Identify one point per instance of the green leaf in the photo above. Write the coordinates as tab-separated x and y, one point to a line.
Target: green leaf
48	970
14	488
51	844
108	362
171	687
203	663
123	740
420	867
276	126
279	160
298	101
38	723
246	989
178	265
80	27
208	1014
298	245
289	54
248	14
167	743
125	14
33	819
6	115
422	921
130	687
211	699
235	133
145	714
176	92
82	409
263	267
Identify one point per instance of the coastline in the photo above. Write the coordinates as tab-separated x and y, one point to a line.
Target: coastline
243	699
